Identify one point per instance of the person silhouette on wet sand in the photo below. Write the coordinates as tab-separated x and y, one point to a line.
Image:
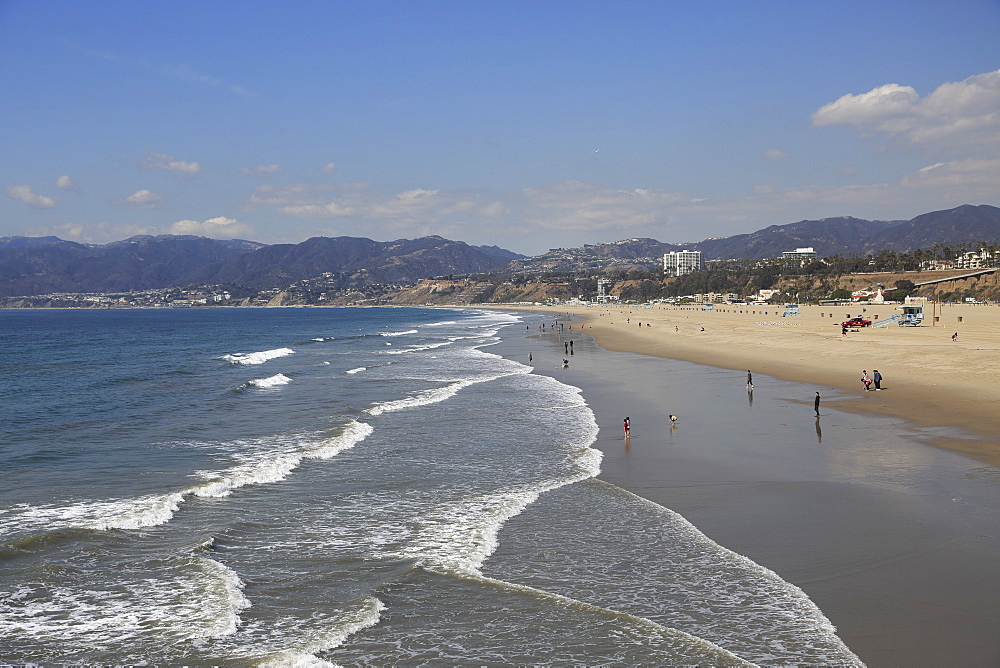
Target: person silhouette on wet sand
816	404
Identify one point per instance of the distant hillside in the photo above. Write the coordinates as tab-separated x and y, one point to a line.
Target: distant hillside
964	224
45	265
42	266
828	236
141	263
357	261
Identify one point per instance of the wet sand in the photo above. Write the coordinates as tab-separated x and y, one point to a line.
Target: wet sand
930	379
894	539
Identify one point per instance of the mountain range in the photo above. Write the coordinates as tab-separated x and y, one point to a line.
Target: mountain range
46	265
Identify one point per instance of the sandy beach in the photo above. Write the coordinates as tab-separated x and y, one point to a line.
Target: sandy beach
883	510
929	379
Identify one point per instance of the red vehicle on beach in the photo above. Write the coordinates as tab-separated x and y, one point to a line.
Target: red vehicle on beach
856	321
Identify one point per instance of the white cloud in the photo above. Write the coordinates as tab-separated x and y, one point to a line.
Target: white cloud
265	170
362	203
143	199
775	154
64	182
974	179
215	228
25	194
162	161
957	116
329	168
575	206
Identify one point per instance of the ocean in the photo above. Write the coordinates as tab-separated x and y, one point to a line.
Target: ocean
343	487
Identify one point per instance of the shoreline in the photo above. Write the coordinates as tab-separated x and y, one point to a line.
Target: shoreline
862	516
930	380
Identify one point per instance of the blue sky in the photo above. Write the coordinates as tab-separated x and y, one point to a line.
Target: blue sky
529	125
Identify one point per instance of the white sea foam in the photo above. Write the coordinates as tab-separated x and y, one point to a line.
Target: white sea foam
460	536
145	511
180	600
353	433
272	381
358	370
422	398
265	467
409	331
365	615
257	358
416	348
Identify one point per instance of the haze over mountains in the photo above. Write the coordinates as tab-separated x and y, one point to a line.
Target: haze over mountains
44	265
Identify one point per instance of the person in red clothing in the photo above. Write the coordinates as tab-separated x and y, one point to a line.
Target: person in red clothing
626	426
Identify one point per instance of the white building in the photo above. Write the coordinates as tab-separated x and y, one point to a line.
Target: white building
683	262
799	254
974	260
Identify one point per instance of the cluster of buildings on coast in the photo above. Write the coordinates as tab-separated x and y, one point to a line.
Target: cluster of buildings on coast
679	263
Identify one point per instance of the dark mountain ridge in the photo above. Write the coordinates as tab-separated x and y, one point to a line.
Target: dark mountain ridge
45	265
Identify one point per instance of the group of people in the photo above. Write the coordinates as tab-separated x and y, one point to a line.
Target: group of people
627	425
875	380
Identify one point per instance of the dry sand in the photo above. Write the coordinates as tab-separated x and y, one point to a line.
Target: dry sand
929	379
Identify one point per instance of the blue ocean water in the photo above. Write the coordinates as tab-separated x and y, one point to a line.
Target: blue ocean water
330	487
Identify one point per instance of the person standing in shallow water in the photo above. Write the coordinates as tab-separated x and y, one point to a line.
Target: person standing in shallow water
627	426
816	404
749	381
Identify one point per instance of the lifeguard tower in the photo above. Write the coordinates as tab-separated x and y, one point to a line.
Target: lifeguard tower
913	315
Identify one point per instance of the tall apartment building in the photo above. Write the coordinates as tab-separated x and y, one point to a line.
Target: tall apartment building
678	263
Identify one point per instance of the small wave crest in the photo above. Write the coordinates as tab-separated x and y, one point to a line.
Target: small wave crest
257	358
404	333
422	398
366	613
276	380
154	510
417	348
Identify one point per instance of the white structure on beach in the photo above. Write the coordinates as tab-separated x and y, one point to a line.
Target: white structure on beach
678	263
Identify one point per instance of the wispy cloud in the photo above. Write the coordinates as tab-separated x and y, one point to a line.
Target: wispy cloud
957	116
162	161
25	194
775	154
64	182
215	228
143	199
263	170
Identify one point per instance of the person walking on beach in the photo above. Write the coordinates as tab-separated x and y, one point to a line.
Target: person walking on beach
816	404
877	379
865	380
749	381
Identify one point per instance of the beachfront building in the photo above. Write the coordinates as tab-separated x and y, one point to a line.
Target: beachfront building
799	254
975	260
679	263
716	297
